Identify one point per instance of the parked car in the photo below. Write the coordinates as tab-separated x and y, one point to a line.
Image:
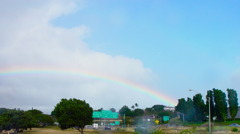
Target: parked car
234	125
107	127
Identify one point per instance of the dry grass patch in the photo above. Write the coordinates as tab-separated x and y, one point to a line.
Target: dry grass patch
56	130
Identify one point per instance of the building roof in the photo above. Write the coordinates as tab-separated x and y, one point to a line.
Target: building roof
105	114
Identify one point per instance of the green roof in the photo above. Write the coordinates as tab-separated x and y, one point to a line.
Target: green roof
105	114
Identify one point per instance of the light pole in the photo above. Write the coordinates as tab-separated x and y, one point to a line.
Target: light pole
209	111
183	116
209	107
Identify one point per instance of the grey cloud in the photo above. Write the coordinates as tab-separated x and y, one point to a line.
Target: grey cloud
28	40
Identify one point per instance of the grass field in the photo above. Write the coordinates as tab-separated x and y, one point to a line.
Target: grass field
161	130
56	130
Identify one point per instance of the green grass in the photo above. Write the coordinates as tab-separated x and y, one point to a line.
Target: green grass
228	122
194	124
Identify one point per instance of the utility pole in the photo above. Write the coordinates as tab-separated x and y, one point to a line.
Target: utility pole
209	111
124	121
209	107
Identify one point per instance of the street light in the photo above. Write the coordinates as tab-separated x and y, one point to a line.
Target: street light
209	115
183	116
209	107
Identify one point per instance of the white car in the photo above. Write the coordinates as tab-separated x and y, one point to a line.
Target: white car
234	125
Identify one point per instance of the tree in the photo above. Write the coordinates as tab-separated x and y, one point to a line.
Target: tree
186	108
220	104
46	120
100	109
190	111
136	105
133	107
73	113
138	112
16	120
165	113
148	111
233	102
199	107
40	119
158	108
113	109
181	106
125	110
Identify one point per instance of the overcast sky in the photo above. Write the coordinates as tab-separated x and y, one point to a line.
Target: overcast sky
167	46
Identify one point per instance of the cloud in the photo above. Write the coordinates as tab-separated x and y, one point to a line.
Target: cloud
28	40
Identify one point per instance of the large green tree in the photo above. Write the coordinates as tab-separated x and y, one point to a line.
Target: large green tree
199	107
181	106
157	108
233	102
190	113
73	113
186	108
125	110
220	104
138	112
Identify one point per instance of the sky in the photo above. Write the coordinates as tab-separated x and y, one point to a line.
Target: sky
112	53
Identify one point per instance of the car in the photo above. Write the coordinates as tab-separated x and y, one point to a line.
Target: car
234	125
107	127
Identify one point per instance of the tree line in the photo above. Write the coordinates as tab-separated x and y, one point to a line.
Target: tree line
195	109
135	115
19	120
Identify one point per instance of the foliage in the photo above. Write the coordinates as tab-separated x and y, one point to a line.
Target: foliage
220	104
158	108
234	129
73	113
3	110
181	106
15	119
138	112
160	131
210	97
186	131
195	110
40	119
136	105
233	102
113	109
190	114
186	108
165	113
199	107
125	111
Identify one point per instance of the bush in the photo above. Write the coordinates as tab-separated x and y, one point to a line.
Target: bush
234	129
186	131
158	132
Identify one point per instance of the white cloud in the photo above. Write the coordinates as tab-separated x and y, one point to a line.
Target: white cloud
28	39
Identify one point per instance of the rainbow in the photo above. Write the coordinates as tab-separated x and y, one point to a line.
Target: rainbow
92	75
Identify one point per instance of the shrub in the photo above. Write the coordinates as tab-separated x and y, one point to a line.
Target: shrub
186	131
234	129
158	132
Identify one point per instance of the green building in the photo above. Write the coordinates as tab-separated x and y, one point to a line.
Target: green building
106	117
